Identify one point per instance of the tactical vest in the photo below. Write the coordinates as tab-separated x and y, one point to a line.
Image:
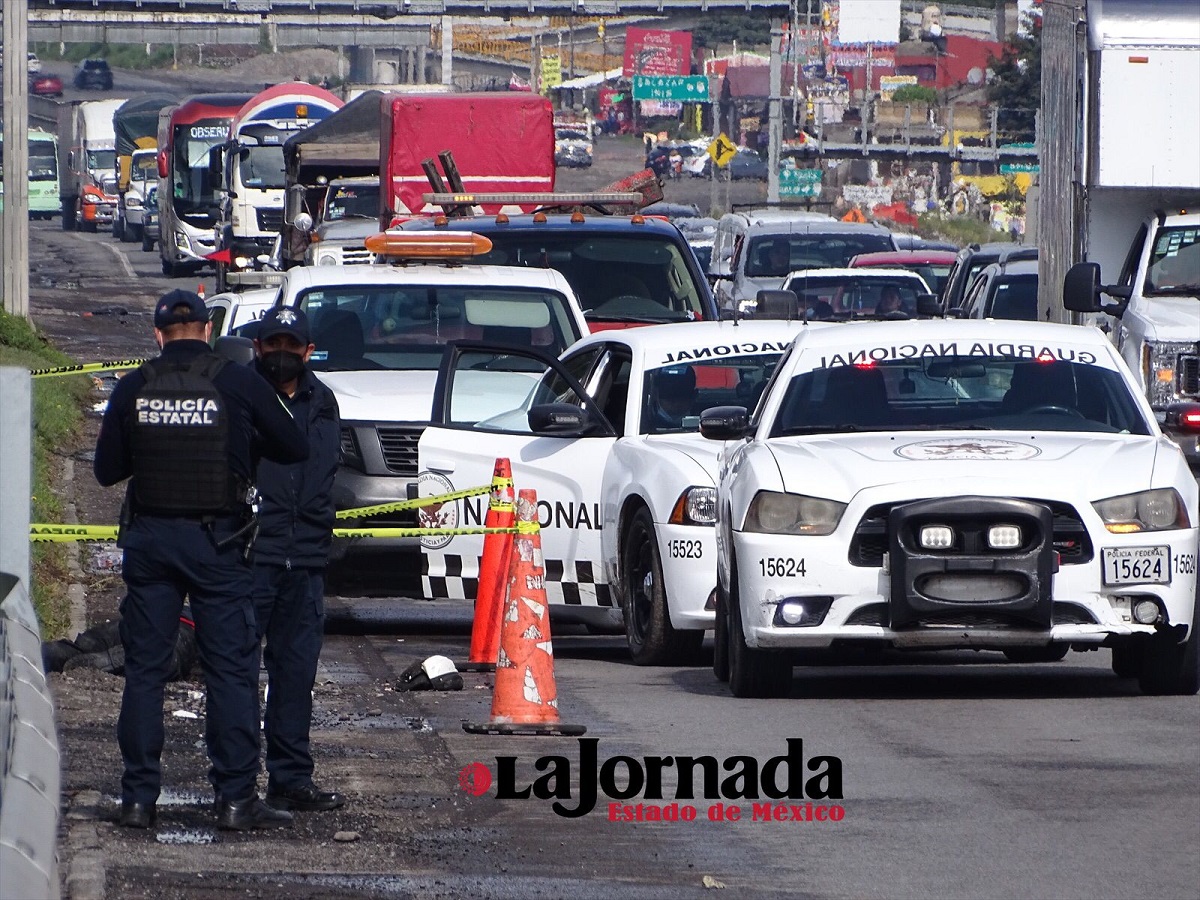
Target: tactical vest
179	437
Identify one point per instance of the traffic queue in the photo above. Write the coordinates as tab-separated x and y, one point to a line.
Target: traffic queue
804	469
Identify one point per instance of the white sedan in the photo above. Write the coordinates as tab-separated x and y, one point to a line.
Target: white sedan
953	484
609	440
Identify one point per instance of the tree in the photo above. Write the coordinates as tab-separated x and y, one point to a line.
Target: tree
1016	85
722	29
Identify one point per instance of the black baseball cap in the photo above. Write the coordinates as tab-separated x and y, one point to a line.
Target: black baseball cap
179	307
284	320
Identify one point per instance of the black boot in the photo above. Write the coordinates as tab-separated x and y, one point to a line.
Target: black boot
250	813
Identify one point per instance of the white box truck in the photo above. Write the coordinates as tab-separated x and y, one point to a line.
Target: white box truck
1134	212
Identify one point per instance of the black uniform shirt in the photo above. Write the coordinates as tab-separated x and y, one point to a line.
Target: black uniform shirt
257	418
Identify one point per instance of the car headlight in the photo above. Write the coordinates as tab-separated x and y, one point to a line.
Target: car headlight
181	240
326	259
1160	363
1158	510
695	506
132	202
775	513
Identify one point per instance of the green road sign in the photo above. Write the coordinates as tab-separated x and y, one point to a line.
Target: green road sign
1014	168
800	182
673	88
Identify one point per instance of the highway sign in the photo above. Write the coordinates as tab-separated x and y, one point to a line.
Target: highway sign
676	88
722	150
800	182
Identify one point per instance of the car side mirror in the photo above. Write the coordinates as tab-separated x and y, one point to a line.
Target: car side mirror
294	204
929	305
1081	288
956	312
724	423
562	419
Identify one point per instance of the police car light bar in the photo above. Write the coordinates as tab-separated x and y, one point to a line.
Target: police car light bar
419	245
469	199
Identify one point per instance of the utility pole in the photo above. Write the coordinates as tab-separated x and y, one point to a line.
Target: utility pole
774	111
14	224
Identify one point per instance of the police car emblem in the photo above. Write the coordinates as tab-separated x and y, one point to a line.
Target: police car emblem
967	449
441	515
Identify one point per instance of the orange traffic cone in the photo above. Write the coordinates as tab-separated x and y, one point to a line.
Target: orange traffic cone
493	573
525	700
200	290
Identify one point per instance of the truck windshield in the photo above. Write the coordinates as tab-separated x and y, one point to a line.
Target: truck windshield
384	326
192	188
101	160
357	202
262	167
1175	262
955	393
641	278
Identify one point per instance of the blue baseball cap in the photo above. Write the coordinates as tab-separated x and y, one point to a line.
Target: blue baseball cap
179	307
284	320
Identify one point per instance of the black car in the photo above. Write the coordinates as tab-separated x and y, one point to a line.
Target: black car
972	260
94	74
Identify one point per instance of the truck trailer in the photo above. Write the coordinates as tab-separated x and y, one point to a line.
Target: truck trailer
87	173
500	143
135	126
1123	221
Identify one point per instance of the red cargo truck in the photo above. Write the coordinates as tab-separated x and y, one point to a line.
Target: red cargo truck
501	143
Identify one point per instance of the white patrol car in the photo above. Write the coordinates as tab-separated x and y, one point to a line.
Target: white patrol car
380	332
625	483
231	311
946	484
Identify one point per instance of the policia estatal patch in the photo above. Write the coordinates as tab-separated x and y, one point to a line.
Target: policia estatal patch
179	436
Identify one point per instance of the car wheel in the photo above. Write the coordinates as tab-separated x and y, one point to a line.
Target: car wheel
68	214
147	242
118	228
1053	653
753	673
1169	668
653	641
170	269
1127	660
133	233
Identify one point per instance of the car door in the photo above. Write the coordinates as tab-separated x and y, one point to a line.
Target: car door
481	412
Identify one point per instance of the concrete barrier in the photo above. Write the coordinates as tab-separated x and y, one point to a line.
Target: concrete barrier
29	761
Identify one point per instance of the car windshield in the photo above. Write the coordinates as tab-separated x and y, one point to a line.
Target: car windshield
1175	262
383	326
953	392
774	255
856	295
642	278
674	396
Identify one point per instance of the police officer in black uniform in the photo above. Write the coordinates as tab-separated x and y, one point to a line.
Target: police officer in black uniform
294	539
181	428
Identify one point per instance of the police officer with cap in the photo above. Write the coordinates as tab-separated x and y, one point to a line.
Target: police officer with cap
290	555
181	428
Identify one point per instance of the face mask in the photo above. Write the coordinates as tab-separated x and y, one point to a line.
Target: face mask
281	366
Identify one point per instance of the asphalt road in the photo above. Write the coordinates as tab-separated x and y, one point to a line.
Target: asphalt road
962	775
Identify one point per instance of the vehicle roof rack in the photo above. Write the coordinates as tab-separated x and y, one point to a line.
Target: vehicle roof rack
600	201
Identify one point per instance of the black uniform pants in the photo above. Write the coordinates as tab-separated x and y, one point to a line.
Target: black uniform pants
166	558
290	608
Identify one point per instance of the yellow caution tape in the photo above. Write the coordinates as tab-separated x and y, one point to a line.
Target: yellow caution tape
414	532
41	533
397	506
83	368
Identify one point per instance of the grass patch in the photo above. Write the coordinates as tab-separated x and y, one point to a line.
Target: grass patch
56	419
